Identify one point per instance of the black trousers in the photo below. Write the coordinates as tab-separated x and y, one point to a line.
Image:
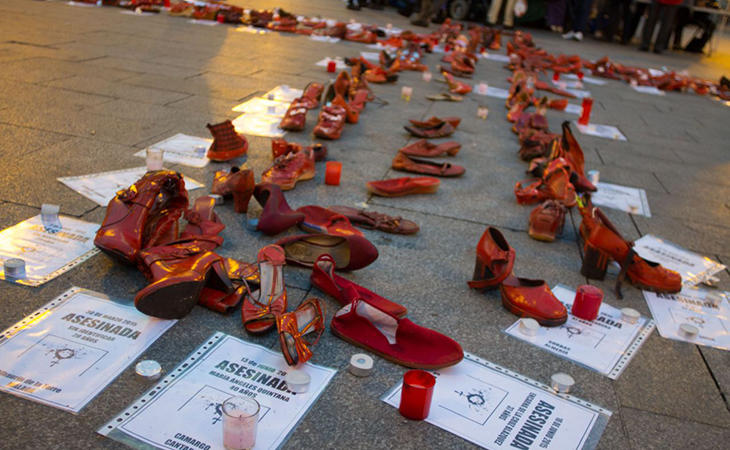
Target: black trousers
616	11
665	14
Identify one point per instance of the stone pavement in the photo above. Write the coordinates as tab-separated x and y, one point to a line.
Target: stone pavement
83	89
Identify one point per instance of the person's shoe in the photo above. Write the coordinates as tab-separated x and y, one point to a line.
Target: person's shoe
300	330
144	215
331	122
326	280
227	144
350	252
237	183
405	163
397	340
425	149
603	242
569	35
322	220
420	23
643	48
578	36
374	220
658	51
290	168
276	216
178	274
397	187
494	261
262	306
546	220
524	297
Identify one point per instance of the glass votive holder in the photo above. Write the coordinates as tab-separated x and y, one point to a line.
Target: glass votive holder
240	419
406	92
154	158
331	66
426	76
415	399
332	173
585	116
587	302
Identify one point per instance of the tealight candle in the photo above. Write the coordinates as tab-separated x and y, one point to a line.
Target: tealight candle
333	170
406	93
427	76
240	418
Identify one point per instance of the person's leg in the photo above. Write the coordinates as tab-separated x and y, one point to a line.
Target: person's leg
668	14
584	11
556	13
628	17
613	10
421	18
436	6
509	14
649	25
683	16
494	8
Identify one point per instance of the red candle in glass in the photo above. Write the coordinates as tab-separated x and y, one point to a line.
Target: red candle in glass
221	18
556	76
585	116
580	75
415	399
331	66
332	172
587	302
447	48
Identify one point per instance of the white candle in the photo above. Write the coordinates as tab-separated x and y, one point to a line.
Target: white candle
240	418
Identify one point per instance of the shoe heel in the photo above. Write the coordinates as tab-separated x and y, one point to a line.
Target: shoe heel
595	263
240	200
483	277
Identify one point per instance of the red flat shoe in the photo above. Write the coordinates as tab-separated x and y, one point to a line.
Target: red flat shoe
425	149
326	280
397	340
373	220
262	306
444	130
349	252
396	187
276	216
331	122
495	259
296	115
407	164
524	297
546	220
435	122
300	330
322	220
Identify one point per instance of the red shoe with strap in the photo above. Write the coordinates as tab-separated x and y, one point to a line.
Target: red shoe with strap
397	187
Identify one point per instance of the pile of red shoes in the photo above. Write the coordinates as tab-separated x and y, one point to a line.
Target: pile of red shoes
408	158
344	100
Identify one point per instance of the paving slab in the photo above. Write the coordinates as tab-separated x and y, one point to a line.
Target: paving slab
657	431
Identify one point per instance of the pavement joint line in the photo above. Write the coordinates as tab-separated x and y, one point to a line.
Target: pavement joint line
30	44
599	156
660	183
712	374
168	104
37	129
681	419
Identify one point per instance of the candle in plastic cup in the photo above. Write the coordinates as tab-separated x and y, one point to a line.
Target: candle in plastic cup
220	18
556	76
415	399
240	418
427	76
331	66
154	158
587	302
585	116
580	75
333	170
482	88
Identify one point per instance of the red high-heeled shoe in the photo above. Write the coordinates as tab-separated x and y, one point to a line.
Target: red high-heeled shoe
277	215
261	307
300	330
495	259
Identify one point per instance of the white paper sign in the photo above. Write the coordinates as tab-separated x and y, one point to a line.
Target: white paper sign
578	92
258	125
648	90
494	408
189	398
252	30
47	254
605	345
692	267
339	63
494	57
103	186
283	93
590	80
210	23
623	198
66	352
329	39
493	92
370	56
573	109
604	131
573	84
690	306
182	149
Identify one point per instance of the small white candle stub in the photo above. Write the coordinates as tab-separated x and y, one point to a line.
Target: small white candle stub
217	198
594	176
714	298
406	92
482	88
154	158
688	331
529	327
361	365
298	381
482	112
148	369
14	268
562	382
427	76
630	315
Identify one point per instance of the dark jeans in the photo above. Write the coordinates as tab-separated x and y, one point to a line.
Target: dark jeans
556	12
631	25
665	14
686	17
429	9
617	10
579	12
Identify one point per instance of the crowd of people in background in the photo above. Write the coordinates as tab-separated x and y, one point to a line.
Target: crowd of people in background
610	20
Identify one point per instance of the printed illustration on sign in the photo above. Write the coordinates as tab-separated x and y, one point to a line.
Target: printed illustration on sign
476	402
